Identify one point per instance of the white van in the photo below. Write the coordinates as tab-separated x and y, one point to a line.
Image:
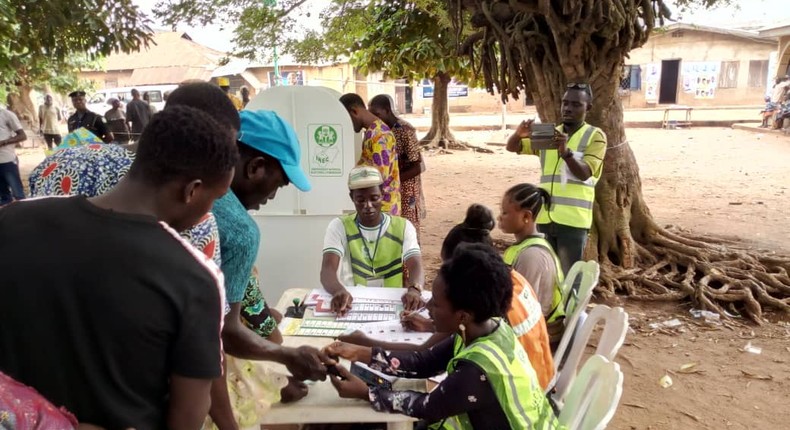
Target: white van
97	102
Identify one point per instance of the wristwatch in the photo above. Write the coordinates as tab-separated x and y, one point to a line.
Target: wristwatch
417	287
567	154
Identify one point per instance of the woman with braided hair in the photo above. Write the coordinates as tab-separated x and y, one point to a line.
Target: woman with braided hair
532	256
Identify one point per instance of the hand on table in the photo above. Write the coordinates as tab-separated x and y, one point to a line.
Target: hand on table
306	362
349	386
341	302
412	300
415	322
348	351
294	391
357	337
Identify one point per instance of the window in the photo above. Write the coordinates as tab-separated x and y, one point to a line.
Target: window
758	73
631	78
678	33
728	77
110	83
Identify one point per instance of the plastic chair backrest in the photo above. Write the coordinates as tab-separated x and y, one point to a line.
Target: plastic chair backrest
594	396
615	328
575	302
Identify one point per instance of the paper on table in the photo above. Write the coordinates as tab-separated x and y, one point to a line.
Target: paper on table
360	292
391	331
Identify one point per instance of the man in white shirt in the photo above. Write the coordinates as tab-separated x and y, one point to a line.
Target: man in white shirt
370	248
49	118
11	133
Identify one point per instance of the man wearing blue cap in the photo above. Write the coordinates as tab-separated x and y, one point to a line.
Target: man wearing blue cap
269	159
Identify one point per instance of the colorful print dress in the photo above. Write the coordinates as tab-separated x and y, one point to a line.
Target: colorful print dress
412	201
379	149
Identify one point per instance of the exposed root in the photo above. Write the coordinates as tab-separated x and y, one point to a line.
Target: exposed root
723	279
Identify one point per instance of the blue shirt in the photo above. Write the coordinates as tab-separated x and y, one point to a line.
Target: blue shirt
239	238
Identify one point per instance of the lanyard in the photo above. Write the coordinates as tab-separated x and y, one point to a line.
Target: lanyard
375	247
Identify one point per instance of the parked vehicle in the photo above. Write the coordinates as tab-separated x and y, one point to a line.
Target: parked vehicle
97	102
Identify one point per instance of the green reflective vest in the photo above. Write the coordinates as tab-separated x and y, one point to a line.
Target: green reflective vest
571	202
387	261
557	301
506	366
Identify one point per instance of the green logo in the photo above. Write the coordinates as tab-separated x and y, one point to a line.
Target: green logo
325	136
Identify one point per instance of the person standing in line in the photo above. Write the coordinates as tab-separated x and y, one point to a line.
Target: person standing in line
138	114
147	100
569	173
117	346
410	162
11	133
116	122
224	83
91	121
49	118
379	149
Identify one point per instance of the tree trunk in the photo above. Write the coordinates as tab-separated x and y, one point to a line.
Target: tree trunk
440	135
21	103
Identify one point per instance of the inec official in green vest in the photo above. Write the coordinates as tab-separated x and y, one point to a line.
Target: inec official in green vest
490	382
571	163
370	248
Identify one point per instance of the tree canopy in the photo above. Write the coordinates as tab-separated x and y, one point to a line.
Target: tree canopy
47	42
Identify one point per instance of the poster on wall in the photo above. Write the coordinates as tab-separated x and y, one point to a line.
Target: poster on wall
287	78
700	78
454	89
325	151
651	80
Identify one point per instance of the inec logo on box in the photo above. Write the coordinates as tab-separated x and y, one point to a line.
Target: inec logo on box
325	136
325	150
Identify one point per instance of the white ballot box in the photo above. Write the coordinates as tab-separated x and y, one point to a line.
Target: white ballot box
293	224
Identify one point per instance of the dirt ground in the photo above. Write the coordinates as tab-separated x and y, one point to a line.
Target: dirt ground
714	181
711	180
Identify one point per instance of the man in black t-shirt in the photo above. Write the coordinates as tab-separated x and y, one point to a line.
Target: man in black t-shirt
91	121
138	113
105	309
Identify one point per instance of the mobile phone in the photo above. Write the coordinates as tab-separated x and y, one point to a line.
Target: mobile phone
542	136
370	377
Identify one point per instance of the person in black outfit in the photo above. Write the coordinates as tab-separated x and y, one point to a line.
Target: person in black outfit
106	311
138	113
93	122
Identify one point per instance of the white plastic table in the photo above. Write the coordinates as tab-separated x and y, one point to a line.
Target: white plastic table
322	403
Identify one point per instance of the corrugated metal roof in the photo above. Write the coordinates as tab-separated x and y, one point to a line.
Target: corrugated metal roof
168	50
167	75
752	35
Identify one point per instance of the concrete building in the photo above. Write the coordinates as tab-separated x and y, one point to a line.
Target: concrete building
697	65
782	35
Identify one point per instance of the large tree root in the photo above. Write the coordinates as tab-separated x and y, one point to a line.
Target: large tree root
448	141
714	274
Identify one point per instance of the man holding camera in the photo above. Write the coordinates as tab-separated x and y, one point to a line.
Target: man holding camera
571	161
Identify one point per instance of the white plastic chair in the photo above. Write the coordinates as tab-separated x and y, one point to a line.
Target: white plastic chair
615	328
575	302
594	396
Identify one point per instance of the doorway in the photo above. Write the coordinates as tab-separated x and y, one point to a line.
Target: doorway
668	89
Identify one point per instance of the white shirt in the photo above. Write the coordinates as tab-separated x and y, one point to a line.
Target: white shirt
335	242
9	124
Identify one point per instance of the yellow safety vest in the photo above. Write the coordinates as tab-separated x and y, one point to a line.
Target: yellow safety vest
387	257
572	202
507	368
557	301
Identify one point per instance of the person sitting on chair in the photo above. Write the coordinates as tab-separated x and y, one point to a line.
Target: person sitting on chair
490	382
369	247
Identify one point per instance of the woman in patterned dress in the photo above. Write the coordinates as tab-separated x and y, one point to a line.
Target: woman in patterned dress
410	161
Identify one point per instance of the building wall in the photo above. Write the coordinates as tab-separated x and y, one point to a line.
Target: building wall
783	65
700	46
111	79
337	77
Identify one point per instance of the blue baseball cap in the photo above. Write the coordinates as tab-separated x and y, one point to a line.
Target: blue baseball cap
266	132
